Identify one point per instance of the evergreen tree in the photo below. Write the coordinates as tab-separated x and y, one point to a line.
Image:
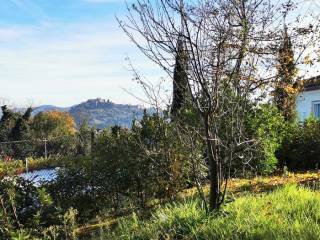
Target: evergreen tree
84	139
7	122
287	87
21	133
180	79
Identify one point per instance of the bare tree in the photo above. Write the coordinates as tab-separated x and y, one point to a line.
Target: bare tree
230	47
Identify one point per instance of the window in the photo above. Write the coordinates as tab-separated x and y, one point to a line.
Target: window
316	109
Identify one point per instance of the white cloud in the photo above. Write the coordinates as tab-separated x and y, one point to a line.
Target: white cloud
14	32
65	64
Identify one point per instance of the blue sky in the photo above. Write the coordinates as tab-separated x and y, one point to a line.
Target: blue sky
63	52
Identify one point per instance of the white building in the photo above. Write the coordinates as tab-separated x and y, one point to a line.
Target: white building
308	100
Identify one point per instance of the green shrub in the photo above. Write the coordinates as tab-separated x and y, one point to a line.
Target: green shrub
127	168
267	126
300	148
24	206
74	187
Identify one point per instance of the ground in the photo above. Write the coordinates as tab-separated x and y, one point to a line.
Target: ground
236	188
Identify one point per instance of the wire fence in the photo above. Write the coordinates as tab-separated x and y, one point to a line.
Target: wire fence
43	148
38	147
39	159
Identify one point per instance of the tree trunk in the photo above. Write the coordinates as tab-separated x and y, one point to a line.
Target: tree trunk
214	172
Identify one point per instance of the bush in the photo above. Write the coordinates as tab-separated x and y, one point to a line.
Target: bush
127	168
23	206
268	127
75	187
300	148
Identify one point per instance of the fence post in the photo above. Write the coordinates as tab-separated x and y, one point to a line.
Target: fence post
27	168
45	149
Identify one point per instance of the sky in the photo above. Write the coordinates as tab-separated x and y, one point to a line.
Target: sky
63	52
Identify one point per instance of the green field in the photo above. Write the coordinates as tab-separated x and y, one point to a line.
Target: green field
289	212
275	207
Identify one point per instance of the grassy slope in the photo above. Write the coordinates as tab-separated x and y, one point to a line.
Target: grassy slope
290	212
236	188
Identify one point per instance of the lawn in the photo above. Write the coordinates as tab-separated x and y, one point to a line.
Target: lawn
274	207
289	212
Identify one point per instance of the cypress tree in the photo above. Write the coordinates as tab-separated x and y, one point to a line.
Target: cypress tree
7	122
180	79
22	132
84	141
287	87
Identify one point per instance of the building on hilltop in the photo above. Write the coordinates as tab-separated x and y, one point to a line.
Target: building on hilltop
97	103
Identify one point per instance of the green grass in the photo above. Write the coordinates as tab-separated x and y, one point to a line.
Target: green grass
289	212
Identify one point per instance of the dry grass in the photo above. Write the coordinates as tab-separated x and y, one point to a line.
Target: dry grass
263	183
89	228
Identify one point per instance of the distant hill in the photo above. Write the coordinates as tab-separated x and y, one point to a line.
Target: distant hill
100	113
103	113
47	108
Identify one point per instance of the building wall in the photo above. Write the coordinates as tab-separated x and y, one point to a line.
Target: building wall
305	102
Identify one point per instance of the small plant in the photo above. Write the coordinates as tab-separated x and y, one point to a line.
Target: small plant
25	209
69	221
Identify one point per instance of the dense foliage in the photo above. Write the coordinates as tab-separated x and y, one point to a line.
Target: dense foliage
268	127
14	127
300	148
126	168
24	206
